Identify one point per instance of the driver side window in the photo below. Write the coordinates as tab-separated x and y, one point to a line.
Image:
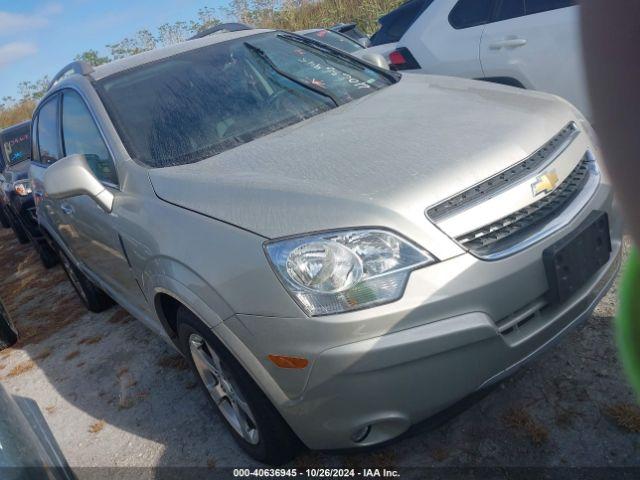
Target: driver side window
81	135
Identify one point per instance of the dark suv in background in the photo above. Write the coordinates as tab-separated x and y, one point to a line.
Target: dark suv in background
16	199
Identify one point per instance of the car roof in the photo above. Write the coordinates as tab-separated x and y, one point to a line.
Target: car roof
26	123
134	61
310	30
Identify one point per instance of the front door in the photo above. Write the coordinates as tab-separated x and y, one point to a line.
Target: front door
96	242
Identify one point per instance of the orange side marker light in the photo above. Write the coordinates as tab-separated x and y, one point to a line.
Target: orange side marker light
284	361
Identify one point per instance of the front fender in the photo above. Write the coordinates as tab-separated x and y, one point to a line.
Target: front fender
163	275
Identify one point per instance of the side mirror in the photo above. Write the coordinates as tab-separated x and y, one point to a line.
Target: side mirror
71	177
375	59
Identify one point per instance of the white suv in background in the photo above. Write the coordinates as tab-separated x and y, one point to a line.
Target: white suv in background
533	44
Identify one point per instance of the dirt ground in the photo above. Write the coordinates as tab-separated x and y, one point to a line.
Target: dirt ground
116	395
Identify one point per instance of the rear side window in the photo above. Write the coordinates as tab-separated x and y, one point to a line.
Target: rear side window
81	135
510	9
471	13
48	132
395	23
538	6
518	8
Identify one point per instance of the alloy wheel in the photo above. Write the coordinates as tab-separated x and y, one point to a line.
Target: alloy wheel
222	388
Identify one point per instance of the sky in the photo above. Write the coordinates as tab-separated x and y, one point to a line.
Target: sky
39	37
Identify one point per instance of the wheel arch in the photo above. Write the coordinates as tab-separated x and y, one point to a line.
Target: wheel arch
167	304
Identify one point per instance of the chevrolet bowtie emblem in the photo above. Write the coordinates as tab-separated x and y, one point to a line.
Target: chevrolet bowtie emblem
545	183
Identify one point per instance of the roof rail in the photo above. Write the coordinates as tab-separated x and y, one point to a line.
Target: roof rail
222	28
79	67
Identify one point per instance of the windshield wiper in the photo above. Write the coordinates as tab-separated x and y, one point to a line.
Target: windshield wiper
265	58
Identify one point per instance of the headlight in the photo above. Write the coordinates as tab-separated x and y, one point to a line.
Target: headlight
340	271
22	188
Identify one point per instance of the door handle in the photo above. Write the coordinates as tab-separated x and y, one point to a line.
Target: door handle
66	208
509	43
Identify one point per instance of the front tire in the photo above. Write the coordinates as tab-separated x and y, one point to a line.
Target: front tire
20	232
248	414
8	334
48	256
93	297
4	220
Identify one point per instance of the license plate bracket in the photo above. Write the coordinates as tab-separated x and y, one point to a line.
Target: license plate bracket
572	261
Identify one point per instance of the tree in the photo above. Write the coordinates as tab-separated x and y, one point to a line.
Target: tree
92	57
172	33
141	42
206	19
33	90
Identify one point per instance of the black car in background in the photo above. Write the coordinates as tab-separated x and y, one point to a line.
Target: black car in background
28	449
8	333
16	199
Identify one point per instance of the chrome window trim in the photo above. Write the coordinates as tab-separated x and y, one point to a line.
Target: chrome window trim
86	101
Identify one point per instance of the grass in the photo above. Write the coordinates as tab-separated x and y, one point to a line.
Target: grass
90	340
17	113
72	355
97	427
22	368
174	362
326	13
120	316
521	421
625	416
42	355
439	454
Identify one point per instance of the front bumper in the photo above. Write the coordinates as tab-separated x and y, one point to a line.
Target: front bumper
445	339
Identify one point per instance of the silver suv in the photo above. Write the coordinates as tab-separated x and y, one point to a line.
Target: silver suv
340	252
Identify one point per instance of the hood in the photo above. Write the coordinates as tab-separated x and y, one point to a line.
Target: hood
403	148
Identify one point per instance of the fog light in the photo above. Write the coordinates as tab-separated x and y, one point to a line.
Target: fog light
361	434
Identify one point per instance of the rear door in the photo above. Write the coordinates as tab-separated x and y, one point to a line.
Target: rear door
445	40
46	150
537	42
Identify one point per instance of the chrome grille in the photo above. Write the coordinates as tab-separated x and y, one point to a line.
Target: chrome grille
504	232
506	178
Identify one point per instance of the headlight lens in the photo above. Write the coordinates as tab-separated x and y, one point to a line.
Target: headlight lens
22	188
341	271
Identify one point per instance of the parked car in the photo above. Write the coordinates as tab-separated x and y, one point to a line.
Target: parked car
533	44
340	251
333	39
18	202
29	450
13	150
8	333
4	219
352	31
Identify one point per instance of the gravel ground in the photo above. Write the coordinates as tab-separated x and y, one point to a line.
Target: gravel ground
116	395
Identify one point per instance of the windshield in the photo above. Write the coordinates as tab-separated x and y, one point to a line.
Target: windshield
16	145
202	102
335	40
